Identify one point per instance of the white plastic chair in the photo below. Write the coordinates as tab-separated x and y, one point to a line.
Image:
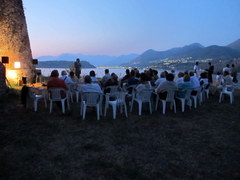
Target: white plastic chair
55	94
169	98
35	97
71	90
143	96
114	88
186	100
91	99
205	92
197	98
228	90
118	101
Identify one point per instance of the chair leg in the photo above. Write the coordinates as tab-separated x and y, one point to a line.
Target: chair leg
114	107
131	108
156	106
63	106
150	107
105	109
35	104
183	104
84	111
50	110
174	106
139	108
125	108
164	107
98	116
220	97
231	98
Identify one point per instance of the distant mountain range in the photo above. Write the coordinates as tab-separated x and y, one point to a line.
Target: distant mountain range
193	51
62	64
151	57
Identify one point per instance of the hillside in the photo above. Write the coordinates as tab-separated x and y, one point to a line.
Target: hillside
190	53
62	64
235	45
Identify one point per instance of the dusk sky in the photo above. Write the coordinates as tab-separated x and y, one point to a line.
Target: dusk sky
118	27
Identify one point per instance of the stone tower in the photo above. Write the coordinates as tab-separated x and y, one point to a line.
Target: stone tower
14	41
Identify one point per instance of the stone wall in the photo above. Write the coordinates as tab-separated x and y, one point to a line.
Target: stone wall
14	40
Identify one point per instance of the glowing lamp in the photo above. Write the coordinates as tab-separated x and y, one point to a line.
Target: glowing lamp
17	65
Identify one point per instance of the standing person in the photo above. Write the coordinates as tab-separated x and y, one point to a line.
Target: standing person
196	69
77	66
234	74
210	72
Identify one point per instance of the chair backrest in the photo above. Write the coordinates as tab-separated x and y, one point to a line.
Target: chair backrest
118	96
91	98
228	88
145	95
170	95
112	88
57	94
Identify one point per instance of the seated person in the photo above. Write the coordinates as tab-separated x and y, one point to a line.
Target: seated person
113	81
93	76
105	78
133	79
204	80
88	86
161	79
195	83
65	78
56	82
169	84
184	86
180	78
144	83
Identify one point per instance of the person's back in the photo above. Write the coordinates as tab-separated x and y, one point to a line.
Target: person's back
66	78
184	86
90	87
106	77
161	79
195	81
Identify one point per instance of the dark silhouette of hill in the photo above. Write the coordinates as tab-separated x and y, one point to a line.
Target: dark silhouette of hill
62	64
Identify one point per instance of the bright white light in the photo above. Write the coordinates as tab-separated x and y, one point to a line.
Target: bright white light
17	65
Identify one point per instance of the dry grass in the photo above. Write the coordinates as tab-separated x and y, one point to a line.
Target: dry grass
199	144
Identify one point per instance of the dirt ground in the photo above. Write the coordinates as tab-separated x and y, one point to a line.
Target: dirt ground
200	143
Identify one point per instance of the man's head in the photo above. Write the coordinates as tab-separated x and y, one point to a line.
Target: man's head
54	73
63	73
170	77
87	79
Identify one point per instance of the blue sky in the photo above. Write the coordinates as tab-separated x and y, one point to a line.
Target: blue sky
117	27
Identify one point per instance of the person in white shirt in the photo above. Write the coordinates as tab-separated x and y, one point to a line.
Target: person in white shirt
93	76
66	79
161	79
227	68
195	83
106	77
88	86
196	69
180	78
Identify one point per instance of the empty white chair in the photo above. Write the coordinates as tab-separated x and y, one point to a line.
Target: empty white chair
35	97
186	100
91	99
169	98
118	100
58	94
227	90
143	96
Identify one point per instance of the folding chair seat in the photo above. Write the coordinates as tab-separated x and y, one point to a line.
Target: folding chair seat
143	96
58	95
116	99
